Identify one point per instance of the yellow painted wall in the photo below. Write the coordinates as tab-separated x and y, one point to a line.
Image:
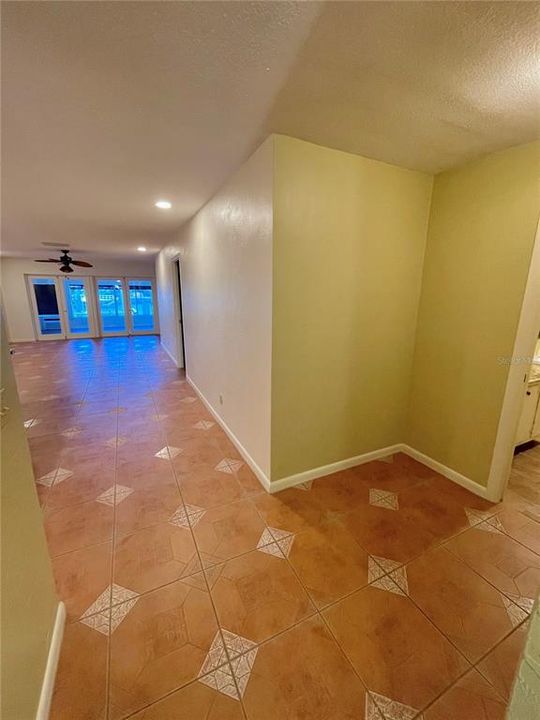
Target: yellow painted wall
349	239
29	600
481	234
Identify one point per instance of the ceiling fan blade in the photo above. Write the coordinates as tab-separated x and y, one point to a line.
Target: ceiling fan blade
66	269
81	263
49	260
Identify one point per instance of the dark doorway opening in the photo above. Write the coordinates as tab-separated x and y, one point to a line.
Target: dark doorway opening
181	315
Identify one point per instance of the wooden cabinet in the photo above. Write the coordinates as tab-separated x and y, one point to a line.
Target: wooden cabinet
529	422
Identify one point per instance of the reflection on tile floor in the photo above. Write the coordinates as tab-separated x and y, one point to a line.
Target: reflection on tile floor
380	592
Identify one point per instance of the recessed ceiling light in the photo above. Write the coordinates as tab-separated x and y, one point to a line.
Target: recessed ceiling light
141	249
163	204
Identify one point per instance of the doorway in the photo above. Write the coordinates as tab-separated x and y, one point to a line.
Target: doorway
62	307
518	423
180	315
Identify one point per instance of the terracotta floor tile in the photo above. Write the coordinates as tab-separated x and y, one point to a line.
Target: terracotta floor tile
147	505
249	482
454	492
143	473
395	649
80	688
160	645
471	698
500	666
415	468
154	556
258	595
340	492
393	475
522	528
329	562
81	576
303	674
390	534
200	452
78	526
468	610
222	533
88	482
432	511
292	510
193	702
511	567
208	488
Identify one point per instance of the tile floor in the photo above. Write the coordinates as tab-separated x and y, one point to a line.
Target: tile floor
384	592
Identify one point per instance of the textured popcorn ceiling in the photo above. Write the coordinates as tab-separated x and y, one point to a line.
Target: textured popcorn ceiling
108	106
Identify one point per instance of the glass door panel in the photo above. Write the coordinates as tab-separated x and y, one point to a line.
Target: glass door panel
141	306
78	313
47	310
110	299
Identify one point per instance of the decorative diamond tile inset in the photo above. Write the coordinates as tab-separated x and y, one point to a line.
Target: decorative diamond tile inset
476	516
216	655
190	515
242	667
391	709
383	498
110	498
102	617
515	613
71	432
389	583
524	603
203	425
159	416
379	566
275	542
221	680
236	644
229	466
168	452
31	423
55	476
493	525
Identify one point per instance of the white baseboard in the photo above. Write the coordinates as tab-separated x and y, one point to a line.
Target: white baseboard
314	473
175	361
322	470
260	474
49	677
447	472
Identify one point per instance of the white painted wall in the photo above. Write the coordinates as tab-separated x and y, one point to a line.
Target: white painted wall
226	261
13	286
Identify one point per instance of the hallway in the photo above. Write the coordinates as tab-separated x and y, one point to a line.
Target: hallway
193	594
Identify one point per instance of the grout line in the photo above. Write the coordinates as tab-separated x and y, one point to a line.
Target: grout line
109	637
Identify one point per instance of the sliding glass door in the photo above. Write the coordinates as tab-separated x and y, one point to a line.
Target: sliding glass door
47	307
112	306
79	317
62	307
141	306
82	307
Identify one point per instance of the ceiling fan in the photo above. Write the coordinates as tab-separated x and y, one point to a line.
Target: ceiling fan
66	262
